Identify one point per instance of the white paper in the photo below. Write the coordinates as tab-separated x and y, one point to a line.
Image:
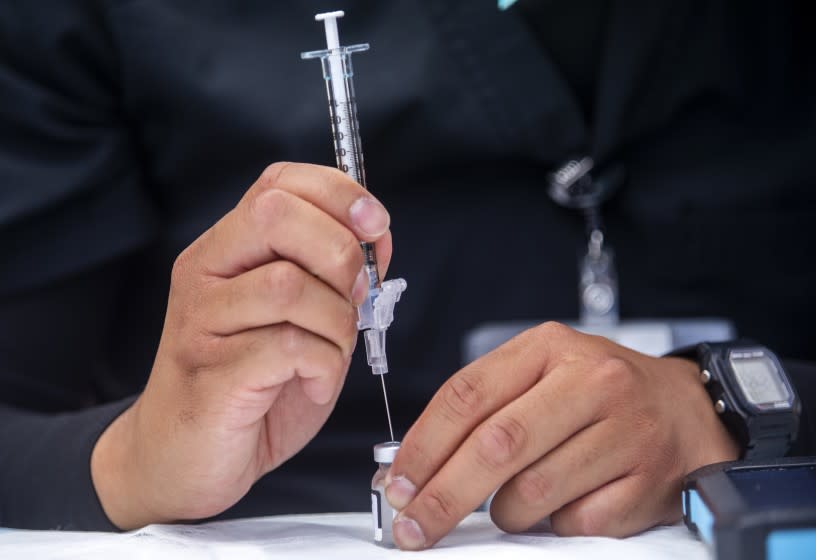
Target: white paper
345	536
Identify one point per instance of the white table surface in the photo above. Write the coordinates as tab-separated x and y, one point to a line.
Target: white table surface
342	536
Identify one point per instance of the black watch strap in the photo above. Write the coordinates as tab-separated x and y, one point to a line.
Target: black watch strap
768	443
768	448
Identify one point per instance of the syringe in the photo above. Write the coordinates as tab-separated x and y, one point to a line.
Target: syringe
376	313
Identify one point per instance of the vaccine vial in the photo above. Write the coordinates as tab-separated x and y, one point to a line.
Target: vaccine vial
382	514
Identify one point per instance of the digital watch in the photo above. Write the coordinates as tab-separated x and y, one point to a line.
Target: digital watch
751	393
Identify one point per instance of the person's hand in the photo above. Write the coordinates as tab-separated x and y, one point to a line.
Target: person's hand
258	336
563	424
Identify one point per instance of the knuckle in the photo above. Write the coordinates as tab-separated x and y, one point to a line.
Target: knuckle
579	520
440	506
187	304
505	521
501	441
589	521
347	255
333	178
271	205
292	340
552	330
533	488
330	366
271	174
181	268
547	339
417	449
253	346
614	375
463	395
287	282
200	352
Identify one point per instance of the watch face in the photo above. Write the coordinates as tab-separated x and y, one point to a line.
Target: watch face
760	379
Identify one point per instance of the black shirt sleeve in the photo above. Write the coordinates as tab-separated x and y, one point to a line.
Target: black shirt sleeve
45	476
54	404
803	376
72	202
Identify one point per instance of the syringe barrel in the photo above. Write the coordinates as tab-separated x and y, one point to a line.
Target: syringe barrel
338	74
348	152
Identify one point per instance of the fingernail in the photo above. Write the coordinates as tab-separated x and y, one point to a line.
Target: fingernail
360	288
399	492
408	534
369	216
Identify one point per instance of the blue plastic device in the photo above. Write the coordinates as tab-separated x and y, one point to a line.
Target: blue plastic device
752	510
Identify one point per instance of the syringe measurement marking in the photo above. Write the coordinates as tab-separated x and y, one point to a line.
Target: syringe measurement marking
345	140
347	117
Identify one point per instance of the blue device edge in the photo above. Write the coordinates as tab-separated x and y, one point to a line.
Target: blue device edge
732	531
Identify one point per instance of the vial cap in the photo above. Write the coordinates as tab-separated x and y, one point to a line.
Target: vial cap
386	451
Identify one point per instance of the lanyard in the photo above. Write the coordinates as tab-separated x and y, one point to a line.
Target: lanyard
581	186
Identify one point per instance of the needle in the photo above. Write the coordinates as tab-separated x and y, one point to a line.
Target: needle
387	410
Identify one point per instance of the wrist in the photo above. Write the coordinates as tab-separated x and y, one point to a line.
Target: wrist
116	474
710	441
751	393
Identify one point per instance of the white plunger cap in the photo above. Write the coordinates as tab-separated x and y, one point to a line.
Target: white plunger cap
329	20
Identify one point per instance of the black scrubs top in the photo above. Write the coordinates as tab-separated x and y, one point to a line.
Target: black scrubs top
128	128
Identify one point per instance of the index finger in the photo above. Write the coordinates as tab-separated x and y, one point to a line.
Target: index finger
499	448
238	243
465	400
328	188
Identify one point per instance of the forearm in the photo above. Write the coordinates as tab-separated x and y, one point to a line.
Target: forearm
45	471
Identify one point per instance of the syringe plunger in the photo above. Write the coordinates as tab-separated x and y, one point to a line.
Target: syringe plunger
329	20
